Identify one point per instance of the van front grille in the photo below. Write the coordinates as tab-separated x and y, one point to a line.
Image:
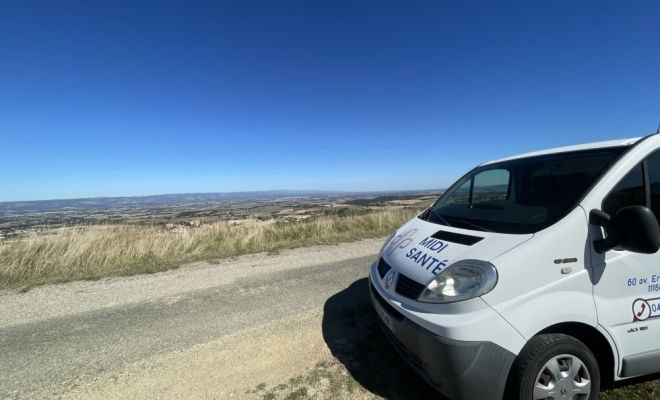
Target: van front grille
406	287
383	267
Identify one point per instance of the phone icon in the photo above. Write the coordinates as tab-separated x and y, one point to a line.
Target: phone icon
639	314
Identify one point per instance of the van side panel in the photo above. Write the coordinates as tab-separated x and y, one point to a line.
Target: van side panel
626	284
535	289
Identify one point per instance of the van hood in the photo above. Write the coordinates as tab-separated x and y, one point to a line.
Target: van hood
420	250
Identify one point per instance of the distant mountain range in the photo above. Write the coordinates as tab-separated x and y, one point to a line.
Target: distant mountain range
167	200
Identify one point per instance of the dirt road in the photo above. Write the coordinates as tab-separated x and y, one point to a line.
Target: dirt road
294	325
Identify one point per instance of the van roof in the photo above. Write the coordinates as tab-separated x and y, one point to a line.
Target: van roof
577	147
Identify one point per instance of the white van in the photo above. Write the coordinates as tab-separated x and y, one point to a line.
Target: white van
532	277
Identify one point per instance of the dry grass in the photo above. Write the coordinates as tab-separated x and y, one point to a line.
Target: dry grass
644	390
94	252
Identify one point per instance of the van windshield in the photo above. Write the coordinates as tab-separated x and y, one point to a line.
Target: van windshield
523	195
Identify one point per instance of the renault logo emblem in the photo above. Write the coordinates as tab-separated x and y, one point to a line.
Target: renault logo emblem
389	280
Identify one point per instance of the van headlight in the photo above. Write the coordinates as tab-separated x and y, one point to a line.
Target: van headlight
460	281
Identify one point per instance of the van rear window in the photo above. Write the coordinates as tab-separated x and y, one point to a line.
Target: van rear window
523	195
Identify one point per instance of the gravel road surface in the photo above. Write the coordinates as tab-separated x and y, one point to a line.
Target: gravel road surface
259	326
295	325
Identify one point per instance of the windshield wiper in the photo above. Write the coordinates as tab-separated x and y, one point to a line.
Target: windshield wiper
441	219
481	228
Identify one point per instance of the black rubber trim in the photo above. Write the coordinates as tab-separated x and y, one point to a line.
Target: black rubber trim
458	238
409	288
641	364
425	214
647	182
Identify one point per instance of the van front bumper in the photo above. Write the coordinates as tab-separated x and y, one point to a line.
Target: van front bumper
460	370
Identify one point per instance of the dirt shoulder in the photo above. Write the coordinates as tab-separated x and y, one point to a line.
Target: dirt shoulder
236	366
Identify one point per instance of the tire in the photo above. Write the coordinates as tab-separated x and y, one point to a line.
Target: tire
554	366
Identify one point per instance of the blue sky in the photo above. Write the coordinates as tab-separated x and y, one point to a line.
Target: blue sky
129	98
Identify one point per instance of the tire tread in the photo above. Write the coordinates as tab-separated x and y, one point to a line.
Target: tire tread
529	354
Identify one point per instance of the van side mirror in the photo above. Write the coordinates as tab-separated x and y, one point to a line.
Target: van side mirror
634	228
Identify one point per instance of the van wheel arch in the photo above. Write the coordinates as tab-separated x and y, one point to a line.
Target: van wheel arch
594	340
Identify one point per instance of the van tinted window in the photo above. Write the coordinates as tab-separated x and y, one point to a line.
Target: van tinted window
522	195
490	185
653	163
487	185
628	192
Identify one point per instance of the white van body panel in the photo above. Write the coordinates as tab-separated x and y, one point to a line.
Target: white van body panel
415	254
532	292
471	320
586	146
628	309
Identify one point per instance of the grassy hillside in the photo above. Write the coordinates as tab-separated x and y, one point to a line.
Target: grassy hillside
94	252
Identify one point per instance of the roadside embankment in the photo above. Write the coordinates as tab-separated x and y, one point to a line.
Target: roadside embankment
93	252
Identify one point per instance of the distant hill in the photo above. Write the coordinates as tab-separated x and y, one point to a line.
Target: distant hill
100	203
153	201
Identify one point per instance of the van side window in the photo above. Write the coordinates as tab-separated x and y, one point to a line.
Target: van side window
628	192
653	164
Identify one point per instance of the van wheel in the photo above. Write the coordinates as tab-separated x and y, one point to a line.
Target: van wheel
555	366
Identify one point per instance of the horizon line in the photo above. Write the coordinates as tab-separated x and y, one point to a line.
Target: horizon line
320	191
